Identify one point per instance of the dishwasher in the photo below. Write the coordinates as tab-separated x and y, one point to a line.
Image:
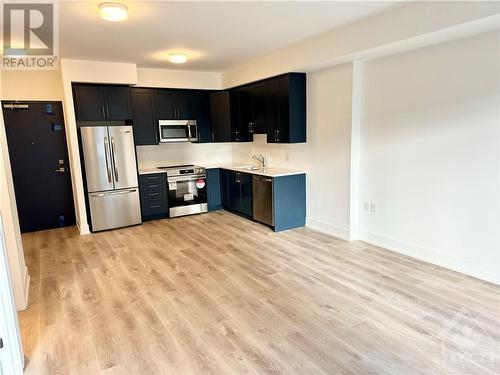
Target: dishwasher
263	199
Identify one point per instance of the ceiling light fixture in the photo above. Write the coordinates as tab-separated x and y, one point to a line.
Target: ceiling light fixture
177	58
114	12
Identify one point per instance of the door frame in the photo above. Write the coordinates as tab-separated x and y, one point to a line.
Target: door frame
66	148
11	355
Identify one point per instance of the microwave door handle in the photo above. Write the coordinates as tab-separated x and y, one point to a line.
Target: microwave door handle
189	131
106	157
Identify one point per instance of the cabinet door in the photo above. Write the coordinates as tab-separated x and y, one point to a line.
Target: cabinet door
185	105
89	103
202	116
165	104
245	109
225	188
213	189
246	201
239	129
279	121
221	116
234	191
260	107
116	102
143	121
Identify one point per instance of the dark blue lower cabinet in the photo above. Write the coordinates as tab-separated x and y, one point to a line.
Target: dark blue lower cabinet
289	201
153	193
214	197
236	192
246	195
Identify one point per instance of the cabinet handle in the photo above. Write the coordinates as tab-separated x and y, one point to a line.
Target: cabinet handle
213	137
237	132
278	135
154	206
250	127
107	111
153	194
103	112
153	186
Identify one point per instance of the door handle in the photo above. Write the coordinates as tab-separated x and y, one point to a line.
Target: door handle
113	153
60	170
113	193
189	131
106	157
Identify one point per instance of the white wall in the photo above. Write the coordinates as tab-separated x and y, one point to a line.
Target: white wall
325	156
413	23
8	209
182	79
430	141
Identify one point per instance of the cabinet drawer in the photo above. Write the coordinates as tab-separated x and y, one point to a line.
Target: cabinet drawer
156	193
151	178
153	185
153	207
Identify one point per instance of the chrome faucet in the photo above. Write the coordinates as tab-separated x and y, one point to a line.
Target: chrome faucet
260	158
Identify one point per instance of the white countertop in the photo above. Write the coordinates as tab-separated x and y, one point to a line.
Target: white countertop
151	170
238	167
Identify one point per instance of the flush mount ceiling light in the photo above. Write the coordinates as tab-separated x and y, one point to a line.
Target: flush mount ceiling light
177	58
113	12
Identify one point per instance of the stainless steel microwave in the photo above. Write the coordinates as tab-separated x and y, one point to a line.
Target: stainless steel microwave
178	131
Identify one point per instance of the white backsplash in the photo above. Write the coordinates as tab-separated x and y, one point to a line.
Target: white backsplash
278	155
183	153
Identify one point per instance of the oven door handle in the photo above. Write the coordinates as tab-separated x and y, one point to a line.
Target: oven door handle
186	178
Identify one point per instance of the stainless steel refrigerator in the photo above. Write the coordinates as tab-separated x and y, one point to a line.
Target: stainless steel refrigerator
111	175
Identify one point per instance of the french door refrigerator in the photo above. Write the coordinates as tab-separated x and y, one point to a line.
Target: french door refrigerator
111	175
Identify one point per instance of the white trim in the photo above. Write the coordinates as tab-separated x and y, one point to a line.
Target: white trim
26	286
11	355
484	272
333	230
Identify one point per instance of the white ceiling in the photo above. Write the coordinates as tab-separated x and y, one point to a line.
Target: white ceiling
215	35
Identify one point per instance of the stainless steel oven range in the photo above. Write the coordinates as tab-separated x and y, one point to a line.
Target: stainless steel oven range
187	190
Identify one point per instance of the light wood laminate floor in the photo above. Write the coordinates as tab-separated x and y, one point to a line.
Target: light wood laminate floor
217	294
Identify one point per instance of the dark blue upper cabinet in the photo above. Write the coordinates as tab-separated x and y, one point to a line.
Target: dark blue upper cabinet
287	109
143	119
202	116
101	102
165	104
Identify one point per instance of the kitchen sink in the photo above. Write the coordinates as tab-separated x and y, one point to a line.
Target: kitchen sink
249	167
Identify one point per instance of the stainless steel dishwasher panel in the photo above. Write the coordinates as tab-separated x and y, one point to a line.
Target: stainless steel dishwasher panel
263	199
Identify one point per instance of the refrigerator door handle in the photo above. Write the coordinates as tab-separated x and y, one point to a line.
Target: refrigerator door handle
113	153
106	157
113	193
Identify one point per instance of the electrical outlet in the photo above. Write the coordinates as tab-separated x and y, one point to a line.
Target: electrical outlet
373	208
366	206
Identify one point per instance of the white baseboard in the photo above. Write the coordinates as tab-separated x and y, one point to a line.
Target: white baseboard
334	230
488	273
26	289
83	229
